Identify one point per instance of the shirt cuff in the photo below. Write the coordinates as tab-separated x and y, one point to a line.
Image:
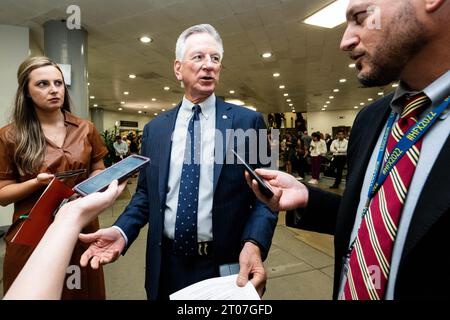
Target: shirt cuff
122	233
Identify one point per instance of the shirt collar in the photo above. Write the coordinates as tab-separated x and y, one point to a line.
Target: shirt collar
437	91
70	118
207	107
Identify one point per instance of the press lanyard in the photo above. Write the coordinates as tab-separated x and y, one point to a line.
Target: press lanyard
406	142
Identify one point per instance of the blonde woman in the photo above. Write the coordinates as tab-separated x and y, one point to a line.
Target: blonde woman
45	138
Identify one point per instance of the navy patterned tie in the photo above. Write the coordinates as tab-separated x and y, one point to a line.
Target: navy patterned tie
185	239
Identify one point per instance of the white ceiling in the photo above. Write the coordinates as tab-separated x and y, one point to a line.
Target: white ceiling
308	58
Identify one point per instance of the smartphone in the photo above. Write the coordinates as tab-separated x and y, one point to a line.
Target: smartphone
263	187
119	171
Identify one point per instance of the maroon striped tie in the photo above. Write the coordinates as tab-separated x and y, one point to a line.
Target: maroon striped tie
370	258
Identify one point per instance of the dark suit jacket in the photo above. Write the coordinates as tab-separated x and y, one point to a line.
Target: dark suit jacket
236	214
425	261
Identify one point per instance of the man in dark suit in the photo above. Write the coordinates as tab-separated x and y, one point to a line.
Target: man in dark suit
389	229
201	213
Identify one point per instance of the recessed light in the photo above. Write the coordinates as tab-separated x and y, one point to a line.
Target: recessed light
328	102
92	97
282	86
355	107
120	109
89	84
293	111
126	93
276	75
174	104
288	100
330	16
132	76
325	106
266	55
95	105
342	80
232	92
352	65
153	99
145	107
370	99
323	109
362	103
336	90
166	88
331	97
395	85
146	39
286	94
291	104
122	102
155	114
380	93
140	111
163	110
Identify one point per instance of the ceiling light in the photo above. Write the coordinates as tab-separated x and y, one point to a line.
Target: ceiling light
331	97
286	94
145	107
291	104
145	39
380	93
122	102
163	110
352	65
276	75
293	111
325	106
92	97
120	109
328	102
89	84
153	99
266	55
132	76
174	104
329	17
235	101
232	92
282	86
343	80
155	114
336	90
288	100
126	93
355	107
324	109
250	107
166	88
95	105
395	85
370	99
140	111
362	103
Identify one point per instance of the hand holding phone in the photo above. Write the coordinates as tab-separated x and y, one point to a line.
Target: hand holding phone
118	171
263	186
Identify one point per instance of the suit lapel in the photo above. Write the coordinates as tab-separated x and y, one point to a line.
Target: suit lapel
168	126
433	201
224	121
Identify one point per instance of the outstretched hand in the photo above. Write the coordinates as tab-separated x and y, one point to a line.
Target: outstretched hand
289	194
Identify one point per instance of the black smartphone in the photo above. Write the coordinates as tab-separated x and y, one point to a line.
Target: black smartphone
119	171
263	187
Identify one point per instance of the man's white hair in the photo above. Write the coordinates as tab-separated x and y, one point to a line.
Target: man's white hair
200	28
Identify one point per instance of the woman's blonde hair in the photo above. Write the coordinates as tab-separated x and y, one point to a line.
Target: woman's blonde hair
30	139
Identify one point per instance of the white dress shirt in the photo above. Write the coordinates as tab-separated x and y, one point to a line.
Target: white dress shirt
339	147
205	195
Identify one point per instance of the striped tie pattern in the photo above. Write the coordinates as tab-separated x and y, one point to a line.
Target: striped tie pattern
370	258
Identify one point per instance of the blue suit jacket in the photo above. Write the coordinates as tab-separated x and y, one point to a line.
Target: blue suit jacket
236	214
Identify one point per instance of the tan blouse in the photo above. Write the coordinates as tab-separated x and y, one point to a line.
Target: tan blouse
82	147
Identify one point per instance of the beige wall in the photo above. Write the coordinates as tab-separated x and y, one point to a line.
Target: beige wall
323	121
110	118
14	48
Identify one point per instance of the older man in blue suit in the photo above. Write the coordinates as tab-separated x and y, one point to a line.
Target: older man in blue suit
200	211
